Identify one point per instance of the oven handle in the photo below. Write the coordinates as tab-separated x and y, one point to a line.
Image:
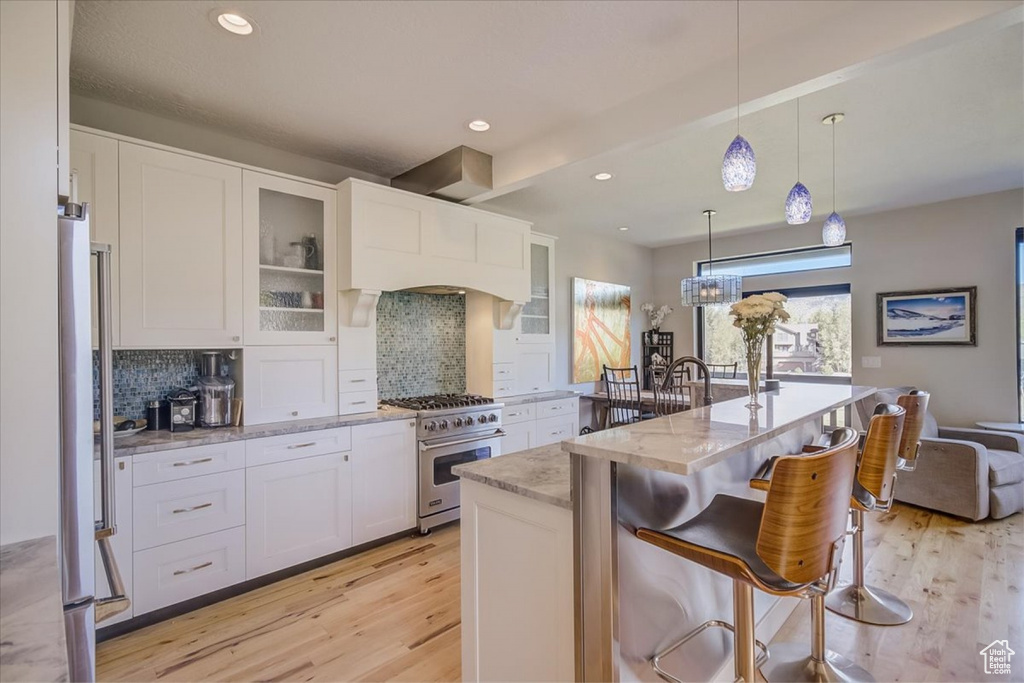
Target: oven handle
498	433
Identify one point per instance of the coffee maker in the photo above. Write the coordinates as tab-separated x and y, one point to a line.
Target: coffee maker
215	392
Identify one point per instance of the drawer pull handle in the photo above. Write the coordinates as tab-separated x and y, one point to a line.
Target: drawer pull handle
192	462
357	403
204	565
192	509
356	381
302	445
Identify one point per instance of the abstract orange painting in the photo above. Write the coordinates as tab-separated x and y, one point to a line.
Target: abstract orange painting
600	316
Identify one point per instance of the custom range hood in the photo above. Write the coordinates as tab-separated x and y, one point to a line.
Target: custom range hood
457	175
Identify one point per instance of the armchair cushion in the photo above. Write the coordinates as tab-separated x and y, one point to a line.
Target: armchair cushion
1005	441
1004	467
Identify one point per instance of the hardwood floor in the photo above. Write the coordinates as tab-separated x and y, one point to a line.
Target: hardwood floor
393	613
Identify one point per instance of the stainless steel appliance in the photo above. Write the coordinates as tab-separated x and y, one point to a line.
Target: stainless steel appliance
215	392
181	410
79	530
451	429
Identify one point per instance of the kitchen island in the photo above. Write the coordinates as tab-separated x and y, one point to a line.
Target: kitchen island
627	599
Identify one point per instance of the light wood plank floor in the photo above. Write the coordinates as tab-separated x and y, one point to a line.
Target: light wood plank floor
393	613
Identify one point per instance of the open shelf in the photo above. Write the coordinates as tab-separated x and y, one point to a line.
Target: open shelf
297	271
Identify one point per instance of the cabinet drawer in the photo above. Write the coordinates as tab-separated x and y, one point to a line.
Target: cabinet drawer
357	402
505	388
294	446
521	413
182	463
565	406
176	510
504	371
555	429
357	381
186	569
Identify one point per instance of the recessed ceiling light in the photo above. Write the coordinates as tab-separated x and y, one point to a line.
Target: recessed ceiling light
479	125
603	175
235	23
624	228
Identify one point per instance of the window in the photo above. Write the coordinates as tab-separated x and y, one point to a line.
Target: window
779	262
814	344
1020	324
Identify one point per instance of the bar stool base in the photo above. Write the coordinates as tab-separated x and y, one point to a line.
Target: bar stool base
713	623
791	662
868	605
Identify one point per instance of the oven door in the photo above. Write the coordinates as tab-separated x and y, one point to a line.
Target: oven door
439	488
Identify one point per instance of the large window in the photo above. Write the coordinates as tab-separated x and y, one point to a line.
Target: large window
1020	324
814	344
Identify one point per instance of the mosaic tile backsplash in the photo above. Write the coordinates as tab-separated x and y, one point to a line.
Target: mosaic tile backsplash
142	376
421	344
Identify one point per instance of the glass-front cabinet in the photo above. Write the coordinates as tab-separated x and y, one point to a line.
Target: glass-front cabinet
536	321
290	275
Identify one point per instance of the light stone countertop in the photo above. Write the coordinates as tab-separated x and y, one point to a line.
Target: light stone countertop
540	473
685	443
32	645
538	398
163	440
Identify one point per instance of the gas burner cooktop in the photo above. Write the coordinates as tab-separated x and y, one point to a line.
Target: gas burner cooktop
440	401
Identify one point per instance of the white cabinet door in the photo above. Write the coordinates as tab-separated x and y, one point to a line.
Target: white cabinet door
384	475
181	250
555	429
297	510
535	368
537	320
94	165
290	251
520	436
120	542
289	382
175	510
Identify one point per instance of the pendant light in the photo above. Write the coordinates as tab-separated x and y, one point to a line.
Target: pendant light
798	204
833	233
709	289
739	165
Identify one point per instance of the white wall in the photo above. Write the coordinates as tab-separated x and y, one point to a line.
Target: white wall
28	270
114	118
957	243
607	260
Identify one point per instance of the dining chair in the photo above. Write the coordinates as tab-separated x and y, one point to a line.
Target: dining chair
624	404
681	372
670	398
723	370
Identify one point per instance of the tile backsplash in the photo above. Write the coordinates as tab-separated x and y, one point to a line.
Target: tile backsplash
142	376
421	344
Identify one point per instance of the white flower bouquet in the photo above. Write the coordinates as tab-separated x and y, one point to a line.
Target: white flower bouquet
756	316
656	316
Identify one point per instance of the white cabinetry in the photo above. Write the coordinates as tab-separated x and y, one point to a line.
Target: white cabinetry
120	542
65	19
94	166
517	588
290	382
290	251
383	479
531	425
297	510
181	250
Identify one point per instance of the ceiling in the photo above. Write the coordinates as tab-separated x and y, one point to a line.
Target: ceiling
942	125
643	89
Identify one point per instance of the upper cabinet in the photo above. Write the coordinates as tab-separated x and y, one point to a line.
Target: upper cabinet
536	321
290	284
94	169
181	250
392	239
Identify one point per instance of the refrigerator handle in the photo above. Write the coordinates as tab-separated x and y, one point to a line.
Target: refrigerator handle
107	526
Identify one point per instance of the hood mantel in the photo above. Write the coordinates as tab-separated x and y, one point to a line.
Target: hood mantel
390	239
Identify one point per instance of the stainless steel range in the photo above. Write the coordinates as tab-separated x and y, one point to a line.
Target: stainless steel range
451	429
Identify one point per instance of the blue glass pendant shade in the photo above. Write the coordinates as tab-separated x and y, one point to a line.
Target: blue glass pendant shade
739	166
833	233
798	205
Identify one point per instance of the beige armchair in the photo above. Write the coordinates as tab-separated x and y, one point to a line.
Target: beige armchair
970	473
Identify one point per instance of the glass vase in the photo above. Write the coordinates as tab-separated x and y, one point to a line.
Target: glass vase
754	372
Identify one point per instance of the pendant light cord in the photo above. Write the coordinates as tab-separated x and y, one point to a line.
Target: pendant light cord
798	139
711	259
833	164
737	67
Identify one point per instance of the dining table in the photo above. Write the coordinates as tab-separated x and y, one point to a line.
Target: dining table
721	390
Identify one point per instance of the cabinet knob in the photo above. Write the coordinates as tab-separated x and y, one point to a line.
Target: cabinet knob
236	338
295	413
333	339
346	457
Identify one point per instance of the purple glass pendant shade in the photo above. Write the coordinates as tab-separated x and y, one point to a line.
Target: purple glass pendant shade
798	205
833	233
739	166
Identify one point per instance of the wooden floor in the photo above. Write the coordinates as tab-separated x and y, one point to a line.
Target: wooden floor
393	613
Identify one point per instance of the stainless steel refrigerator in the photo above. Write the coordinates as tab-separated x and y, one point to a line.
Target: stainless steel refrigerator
81	535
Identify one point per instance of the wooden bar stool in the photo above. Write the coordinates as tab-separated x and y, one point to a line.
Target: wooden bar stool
873	492
791	661
790	545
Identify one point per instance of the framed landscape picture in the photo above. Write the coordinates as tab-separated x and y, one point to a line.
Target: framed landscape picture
600	314
929	317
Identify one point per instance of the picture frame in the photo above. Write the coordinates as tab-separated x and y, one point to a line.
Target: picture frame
928	317
601	328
